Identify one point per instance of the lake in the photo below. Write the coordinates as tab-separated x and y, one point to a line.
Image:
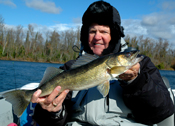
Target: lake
15	74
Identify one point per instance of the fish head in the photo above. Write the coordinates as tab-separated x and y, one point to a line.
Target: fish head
122	59
120	62
127	59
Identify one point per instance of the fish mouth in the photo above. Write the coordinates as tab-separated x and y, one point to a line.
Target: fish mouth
135	54
133	60
129	58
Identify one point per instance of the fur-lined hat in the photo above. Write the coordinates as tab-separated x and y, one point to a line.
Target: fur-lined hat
102	13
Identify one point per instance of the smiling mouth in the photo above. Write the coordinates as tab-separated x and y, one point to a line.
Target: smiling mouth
97	44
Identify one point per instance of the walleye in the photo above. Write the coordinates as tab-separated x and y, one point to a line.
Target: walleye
88	71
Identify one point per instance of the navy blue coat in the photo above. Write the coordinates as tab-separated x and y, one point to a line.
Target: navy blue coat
147	97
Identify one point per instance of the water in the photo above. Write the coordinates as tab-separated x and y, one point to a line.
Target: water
15	74
170	75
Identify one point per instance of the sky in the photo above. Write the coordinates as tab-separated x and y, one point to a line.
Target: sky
150	18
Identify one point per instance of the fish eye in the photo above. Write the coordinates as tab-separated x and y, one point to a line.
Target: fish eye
128	54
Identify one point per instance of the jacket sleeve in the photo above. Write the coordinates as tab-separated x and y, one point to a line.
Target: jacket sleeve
147	96
45	118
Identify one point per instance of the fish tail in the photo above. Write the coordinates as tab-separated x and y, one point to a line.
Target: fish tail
18	99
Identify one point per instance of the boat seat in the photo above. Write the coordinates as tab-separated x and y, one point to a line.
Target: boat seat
170	120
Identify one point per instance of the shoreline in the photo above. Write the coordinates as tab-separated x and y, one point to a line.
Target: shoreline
30	60
42	61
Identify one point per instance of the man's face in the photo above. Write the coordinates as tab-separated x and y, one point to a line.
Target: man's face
99	38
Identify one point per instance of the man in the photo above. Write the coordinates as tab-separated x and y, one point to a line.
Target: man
140	97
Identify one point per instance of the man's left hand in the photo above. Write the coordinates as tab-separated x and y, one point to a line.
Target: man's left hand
130	74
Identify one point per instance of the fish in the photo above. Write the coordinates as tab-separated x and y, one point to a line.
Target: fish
88	71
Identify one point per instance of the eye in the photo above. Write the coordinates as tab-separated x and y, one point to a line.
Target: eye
128	54
92	31
104	31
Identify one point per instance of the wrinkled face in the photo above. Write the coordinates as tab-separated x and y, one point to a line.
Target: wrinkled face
99	38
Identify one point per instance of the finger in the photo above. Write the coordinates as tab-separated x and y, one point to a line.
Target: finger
52	96
61	97
58	107
35	96
121	76
52	107
136	67
128	75
57	103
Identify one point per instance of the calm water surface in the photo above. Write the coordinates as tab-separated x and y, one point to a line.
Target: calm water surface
15	74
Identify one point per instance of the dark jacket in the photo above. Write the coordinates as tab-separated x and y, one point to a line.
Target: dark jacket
147	97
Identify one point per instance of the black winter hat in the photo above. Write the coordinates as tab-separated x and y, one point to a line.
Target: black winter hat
102	13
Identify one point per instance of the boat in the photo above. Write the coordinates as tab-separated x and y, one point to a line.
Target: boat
6	112
7	116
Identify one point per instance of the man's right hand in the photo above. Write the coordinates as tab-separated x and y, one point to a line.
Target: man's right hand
51	103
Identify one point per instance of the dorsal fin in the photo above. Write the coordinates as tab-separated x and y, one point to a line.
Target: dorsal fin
50	73
84	59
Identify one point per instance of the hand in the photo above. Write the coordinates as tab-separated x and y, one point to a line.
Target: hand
130	74
50	103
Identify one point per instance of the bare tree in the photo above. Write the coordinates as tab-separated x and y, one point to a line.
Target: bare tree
1	29
19	49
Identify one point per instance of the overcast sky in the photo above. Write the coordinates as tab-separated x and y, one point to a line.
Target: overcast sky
150	18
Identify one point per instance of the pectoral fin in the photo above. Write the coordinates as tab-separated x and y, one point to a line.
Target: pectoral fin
104	88
115	71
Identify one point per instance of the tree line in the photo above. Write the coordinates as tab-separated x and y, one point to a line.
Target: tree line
56	46
28	45
160	51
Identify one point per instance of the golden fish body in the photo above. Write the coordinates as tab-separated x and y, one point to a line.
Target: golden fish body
88	71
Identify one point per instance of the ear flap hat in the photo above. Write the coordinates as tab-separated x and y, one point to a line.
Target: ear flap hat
102	13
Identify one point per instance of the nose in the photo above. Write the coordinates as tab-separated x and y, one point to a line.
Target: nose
97	35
